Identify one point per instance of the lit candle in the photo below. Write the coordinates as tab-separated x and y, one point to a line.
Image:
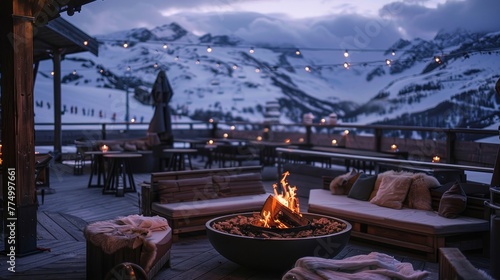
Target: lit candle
394	148
436	159
334	142
225	135
287	141
210	142
346	132
301	140
259	138
104	148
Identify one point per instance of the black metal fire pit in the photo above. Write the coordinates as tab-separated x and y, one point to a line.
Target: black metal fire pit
275	254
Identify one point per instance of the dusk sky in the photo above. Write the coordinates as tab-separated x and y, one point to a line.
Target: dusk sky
362	23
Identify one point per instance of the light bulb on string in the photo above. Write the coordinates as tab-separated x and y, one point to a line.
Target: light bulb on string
393	53
176	58
346	53
129	68
388	62
155	65
346	65
165	46
437	59
85	43
251	50
52	73
235	66
257	70
217	64
307	68
297	52
209	49
197	61
125	44
74	72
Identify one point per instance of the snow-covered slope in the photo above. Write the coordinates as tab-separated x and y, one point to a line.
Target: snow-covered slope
231	83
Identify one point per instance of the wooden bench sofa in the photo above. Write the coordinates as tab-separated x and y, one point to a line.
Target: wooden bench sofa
418	232
188	199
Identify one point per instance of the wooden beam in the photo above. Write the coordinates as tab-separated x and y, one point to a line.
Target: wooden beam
18	181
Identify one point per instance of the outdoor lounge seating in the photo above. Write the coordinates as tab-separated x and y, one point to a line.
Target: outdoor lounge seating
188	199
417	231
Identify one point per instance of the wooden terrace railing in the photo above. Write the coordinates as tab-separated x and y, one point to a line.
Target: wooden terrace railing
452	145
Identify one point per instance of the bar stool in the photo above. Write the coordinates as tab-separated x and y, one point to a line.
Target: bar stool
120	169
178	157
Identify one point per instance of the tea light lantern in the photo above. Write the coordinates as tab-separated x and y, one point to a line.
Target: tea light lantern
394	148
210	142
104	148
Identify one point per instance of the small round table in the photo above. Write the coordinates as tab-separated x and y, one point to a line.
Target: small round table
120	168
97	168
178	157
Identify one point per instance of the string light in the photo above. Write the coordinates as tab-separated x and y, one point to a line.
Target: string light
251	50
346	53
437	59
155	65
209	49
257	70
85	43
297	52
52	73
129	68
393	53
235	66
197	61
307	68
346	65
74	72
165	46
176	58
125	44
388	62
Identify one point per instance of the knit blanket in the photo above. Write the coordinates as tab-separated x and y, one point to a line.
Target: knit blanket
127	232
374	266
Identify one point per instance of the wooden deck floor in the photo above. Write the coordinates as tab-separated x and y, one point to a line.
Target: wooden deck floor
65	213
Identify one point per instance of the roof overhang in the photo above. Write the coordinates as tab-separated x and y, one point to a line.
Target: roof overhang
60	35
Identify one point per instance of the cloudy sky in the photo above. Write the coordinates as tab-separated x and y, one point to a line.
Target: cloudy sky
357	23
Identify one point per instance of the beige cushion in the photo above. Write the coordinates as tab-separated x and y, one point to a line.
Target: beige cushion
392	191
130	147
240	184
194	189
413	220
342	184
419	195
387	173
453	202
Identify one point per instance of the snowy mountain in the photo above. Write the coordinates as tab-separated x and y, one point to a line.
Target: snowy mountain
233	83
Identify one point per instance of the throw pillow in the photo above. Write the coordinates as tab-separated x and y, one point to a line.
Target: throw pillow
387	173
129	147
392	191
363	187
191	189
419	195
342	184
453	202
115	147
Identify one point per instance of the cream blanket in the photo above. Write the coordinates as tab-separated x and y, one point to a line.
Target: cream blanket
127	232
374	266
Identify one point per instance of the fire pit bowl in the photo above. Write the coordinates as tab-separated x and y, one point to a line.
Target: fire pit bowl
275	254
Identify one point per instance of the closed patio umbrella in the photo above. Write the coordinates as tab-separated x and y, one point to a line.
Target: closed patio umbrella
161	123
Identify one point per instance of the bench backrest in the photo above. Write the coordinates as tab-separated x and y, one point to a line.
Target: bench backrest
152	195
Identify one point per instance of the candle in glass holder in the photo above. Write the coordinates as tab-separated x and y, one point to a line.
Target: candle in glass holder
334	142
259	138
394	148
104	148
436	159
210	142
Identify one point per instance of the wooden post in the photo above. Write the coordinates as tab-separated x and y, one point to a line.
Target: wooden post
56	60
18	176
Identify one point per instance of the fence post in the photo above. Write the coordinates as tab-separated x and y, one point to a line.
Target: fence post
103	131
378	139
451	138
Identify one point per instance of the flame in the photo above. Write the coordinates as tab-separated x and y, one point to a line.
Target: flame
287	198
